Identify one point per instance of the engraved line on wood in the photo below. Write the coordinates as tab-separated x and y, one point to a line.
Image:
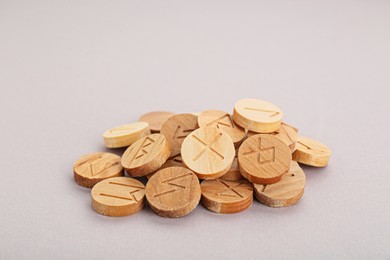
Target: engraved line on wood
218	121
147	142
299	142
90	160
116	197
272	113
263	189
231	188
101	171
121	130
207	146
259	151
126	185
170	183
181	134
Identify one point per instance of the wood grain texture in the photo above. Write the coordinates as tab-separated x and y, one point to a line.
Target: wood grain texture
263	159
284	193
146	155
287	133
209	152
257	115
173	161
125	135
223	121
119	196
226	197
93	168
156	119
173	192
176	128
312	152
233	174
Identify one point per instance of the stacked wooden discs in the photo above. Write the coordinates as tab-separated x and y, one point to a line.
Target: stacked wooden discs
220	159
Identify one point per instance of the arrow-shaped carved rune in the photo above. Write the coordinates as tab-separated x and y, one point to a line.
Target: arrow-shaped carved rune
176	184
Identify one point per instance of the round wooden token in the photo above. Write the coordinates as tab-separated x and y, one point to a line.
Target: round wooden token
209	152
173	192
173	161
223	121
257	115
263	159
156	119
176	128
284	193
223	196
125	135
312	152
119	196
93	168
233	173
286	133
146	155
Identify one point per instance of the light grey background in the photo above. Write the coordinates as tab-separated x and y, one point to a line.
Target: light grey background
69	70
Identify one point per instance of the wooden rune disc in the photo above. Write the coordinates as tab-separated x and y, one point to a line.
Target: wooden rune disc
176	128
173	192
146	155
173	161
233	173
208	151
125	135
312	152
93	168
263	159
119	196
225	197
257	115
156	119
223	121
286	133
284	193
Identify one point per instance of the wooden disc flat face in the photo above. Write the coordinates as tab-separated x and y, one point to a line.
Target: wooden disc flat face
176	128
173	161
233	173
125	135
146	155
284	193
156	119
311	152
209	152
173	192
257	115
223	121
119	196
223	196
92	168
263	159
286	133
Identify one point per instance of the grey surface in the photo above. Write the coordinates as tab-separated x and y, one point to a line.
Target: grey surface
70	70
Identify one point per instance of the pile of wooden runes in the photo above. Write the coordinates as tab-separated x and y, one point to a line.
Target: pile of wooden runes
220	159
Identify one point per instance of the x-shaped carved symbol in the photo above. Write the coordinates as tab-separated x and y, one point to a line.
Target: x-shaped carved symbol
260	150
229	188
207	147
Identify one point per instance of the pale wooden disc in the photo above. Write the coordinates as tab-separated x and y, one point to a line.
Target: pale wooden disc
225	197
223	121
284	193
263	159
233	173
125	135
173	192
156	119
257	115
173	161
92	168
146	155
119	196
288	134
208	151
176	128
311	152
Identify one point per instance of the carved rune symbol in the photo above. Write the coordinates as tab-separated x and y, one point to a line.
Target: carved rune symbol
181	133
207	147
176	184
98	165
144	148
270	112
230	190
224	121
260	153
134	189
